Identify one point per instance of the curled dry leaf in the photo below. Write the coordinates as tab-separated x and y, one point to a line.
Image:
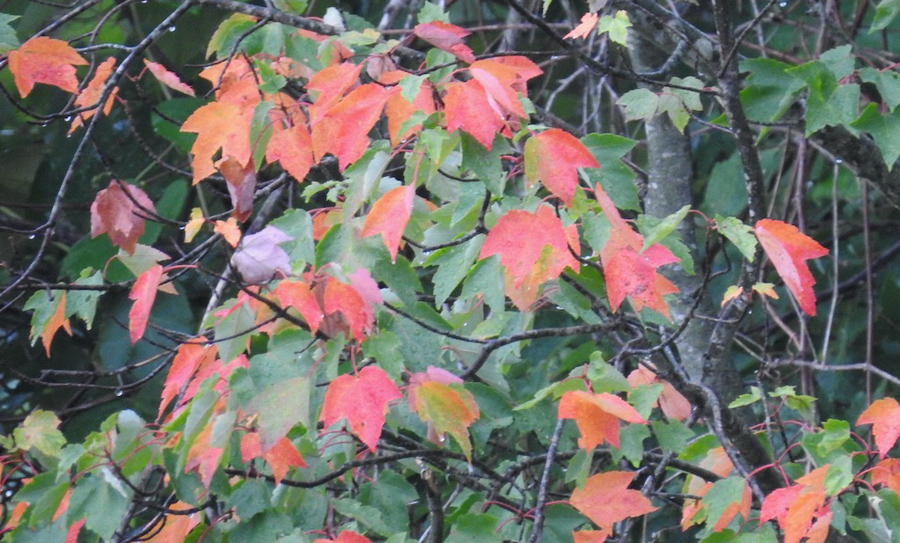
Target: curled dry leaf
258	258
118	212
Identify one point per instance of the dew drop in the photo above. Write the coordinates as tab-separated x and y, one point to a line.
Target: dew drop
839	161
68	118
32	236
783	3
172	28
119	393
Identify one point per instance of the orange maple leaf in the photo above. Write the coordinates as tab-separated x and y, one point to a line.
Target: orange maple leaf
388	217
292	147
398	110
887	473
795	506
673	404
553	158
884	415
218	125
584	28
91	94
606	499
788	248
597	416
56	321
298	295
168	78
362	400
45	60
533	248
343	129
177	526
280	457
628	270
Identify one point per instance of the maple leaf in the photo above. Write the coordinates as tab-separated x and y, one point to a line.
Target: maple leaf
583	30
49	316
188	358
606	499
143	292
362	400
673	404
398	110
446	37
590	536
229	231
788	248
887	473
502	83
440	400
345	310
45	60
466	107
92	92
74	530
241	182
292	147
168	78
553	158
203	455
884	415
346	536
117	212
597	416
236	83
329	85
628	270
298	295
520	238
218	125
343	130
280	457
177	526
388	217
258	258
795	506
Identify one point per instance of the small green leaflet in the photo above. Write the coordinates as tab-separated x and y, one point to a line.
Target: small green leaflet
654	233
885	129
8	39
738	233
886	12
40	431
617	26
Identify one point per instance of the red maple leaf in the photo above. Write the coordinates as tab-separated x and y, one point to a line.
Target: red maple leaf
597	416
116	211
884	415
584	28
89	96
440	400
218	125
446	37
362	400
143	292
168	78
466	107
606	499
553	158
45	60
628	270
788	248
188	358
346	536
388	217
330	85
533	248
